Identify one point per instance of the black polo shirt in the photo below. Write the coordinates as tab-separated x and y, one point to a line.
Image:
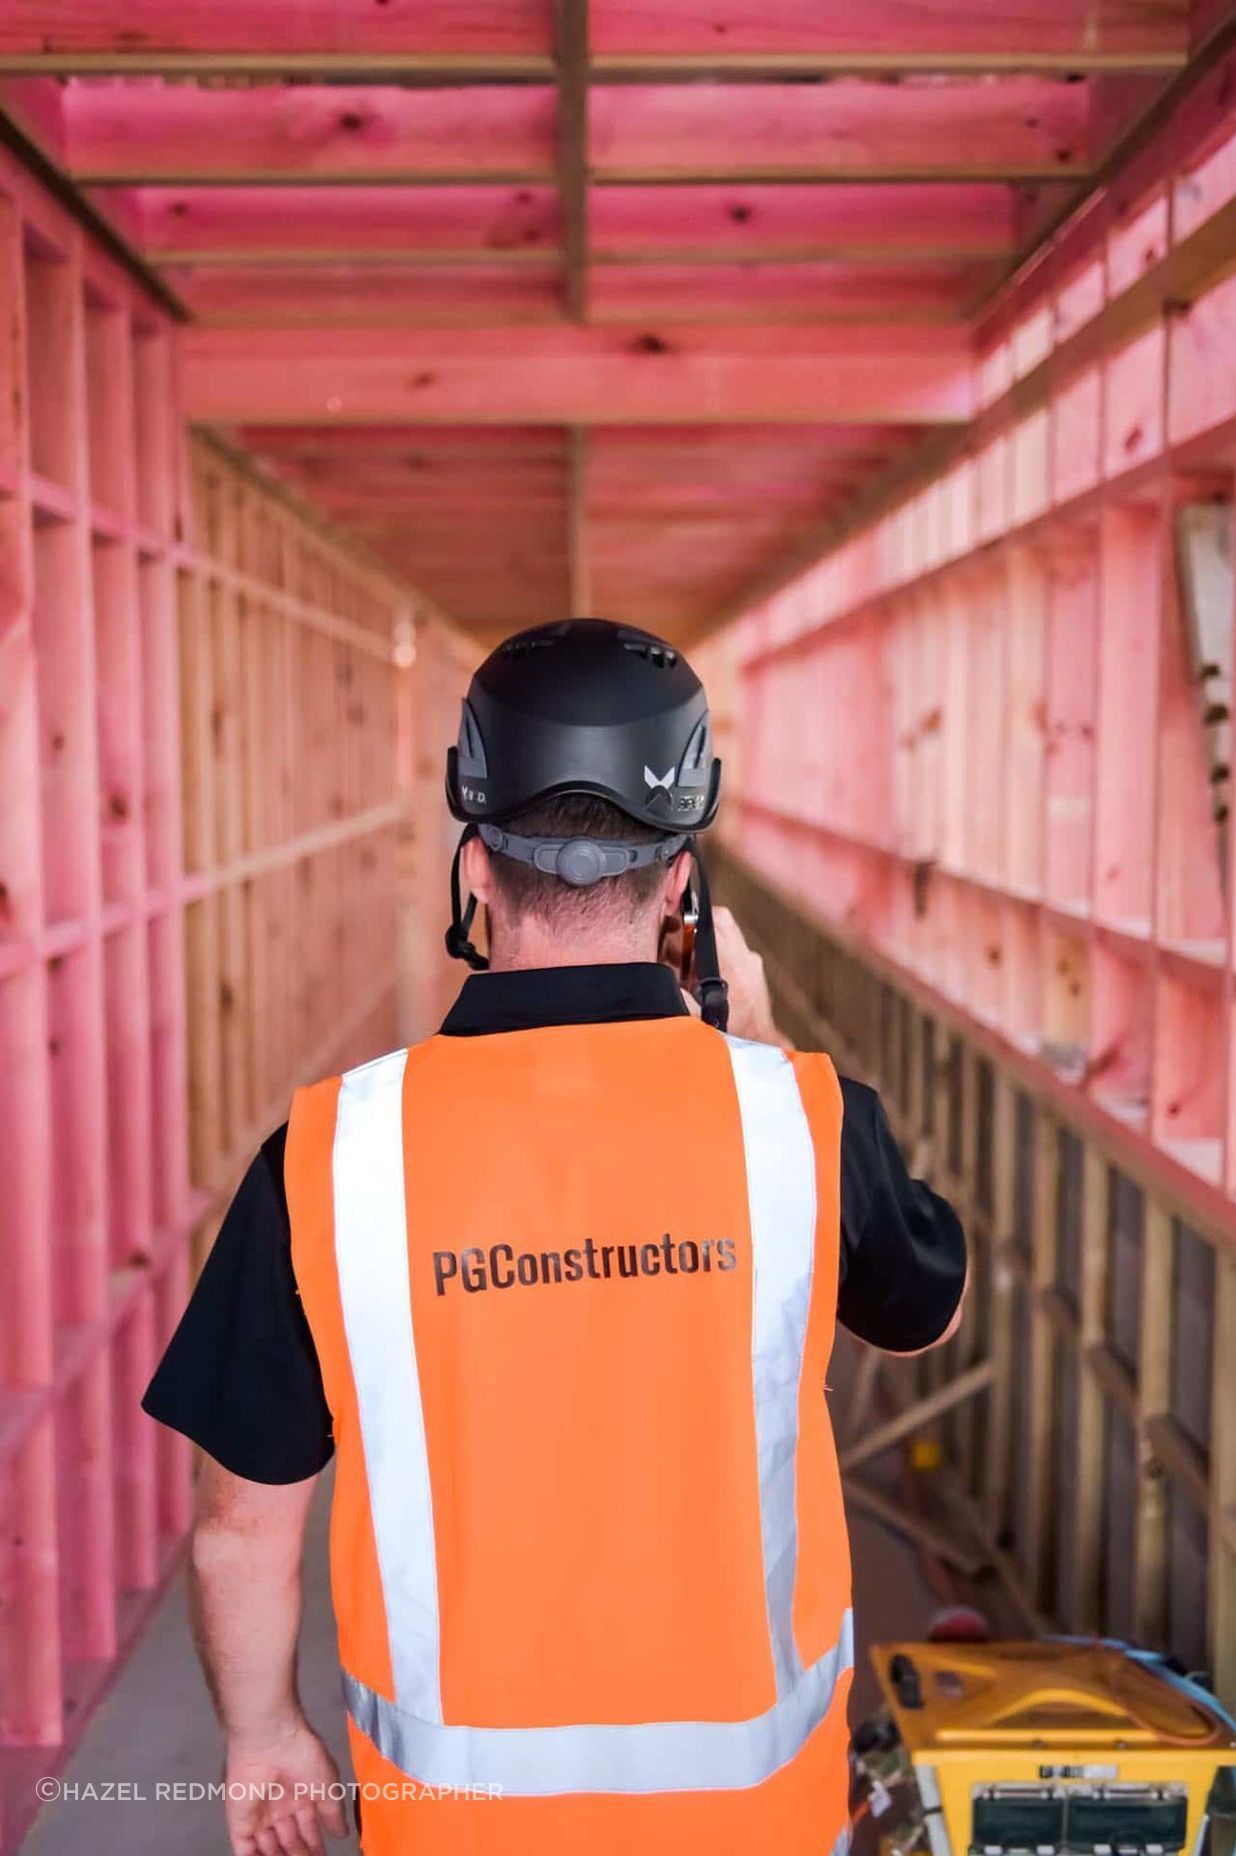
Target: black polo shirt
241	1377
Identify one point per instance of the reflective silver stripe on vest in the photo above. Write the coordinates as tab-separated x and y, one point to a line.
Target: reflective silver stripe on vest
371	1252
781	1197
652	1756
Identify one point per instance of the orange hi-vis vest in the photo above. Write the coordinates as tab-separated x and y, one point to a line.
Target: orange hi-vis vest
573	1291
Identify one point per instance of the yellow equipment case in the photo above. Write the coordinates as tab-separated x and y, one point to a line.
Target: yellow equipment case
1085	1747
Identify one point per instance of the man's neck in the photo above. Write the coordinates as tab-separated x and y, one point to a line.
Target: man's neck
537	949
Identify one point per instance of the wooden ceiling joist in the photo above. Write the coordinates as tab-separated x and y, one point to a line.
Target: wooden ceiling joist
372	295
122	31
121	134
509	41
404	445
1075	35
514	225
419	225
940	60
774	293
571	55
563	376
383	295
456	503
1016	128
850	224
410	446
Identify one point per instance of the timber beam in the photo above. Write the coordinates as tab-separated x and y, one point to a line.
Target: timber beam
478	40
572	63
1016	128
563	376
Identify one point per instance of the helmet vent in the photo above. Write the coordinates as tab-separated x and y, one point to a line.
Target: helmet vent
658	654
471	747
523	647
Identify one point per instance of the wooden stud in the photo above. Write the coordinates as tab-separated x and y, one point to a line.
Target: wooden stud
919	1416
963	1429
1223	1487
1081	1602
1153	1394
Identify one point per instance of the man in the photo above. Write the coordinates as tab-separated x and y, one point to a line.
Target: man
558	1286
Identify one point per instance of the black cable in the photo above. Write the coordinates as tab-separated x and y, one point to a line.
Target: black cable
710	989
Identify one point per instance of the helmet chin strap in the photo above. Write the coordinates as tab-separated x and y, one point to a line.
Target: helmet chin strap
711	990
458	941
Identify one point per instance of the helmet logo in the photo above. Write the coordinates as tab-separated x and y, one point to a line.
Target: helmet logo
662	782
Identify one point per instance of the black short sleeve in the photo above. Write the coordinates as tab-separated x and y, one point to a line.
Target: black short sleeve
241	1378
903	1252
240	1375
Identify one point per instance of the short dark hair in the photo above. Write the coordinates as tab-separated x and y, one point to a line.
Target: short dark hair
576	815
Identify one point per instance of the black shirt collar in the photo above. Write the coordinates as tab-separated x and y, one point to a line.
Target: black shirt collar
536	996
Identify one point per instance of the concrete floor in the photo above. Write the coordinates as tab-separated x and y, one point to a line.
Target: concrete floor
156	1722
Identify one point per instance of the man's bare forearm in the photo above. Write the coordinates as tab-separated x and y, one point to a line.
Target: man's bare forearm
246	1620
245	1597
246	1601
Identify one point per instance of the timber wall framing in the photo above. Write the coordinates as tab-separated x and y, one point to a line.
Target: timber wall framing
1097	1466
93	1262
1025	798
200	814
995	878
292	811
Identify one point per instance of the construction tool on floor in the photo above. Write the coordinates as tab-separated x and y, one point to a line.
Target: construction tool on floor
1027	1749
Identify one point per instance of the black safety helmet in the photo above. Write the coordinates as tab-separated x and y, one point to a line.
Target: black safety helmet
586	706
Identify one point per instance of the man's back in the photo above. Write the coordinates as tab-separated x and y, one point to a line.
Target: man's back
563	1303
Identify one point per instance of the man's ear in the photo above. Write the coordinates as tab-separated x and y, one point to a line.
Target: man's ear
478	871
679	877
